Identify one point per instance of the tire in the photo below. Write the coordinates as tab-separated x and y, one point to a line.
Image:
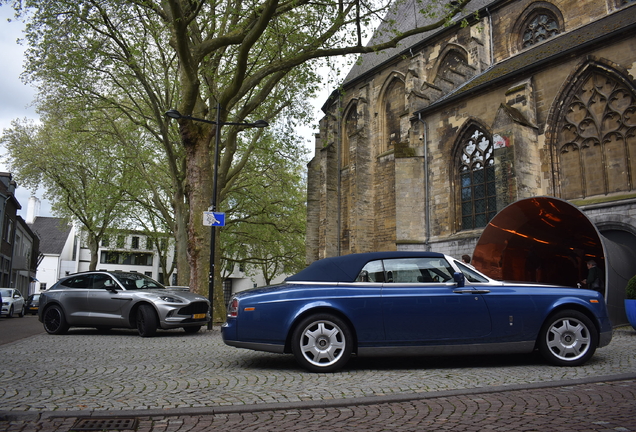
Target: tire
192	329
54	320
147	321
568	338
322	343
10	314
21	313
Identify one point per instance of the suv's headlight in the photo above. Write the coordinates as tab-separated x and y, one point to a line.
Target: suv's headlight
169	299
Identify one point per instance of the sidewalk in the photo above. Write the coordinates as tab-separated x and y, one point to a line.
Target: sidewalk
195	383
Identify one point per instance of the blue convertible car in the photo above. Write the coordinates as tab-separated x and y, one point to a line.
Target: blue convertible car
413	303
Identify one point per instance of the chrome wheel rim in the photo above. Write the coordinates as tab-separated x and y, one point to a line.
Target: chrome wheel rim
568	339
322	343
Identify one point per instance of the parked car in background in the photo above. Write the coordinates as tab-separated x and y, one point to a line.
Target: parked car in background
413	303
32	304
12	302
106	300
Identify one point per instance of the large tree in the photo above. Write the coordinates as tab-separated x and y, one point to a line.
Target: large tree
250	58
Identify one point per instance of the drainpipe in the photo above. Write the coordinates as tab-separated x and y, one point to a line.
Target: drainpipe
427	217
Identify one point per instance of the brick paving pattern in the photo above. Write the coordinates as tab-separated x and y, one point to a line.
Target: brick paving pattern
196	383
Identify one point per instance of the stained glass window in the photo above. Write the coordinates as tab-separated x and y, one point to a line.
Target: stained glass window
477	180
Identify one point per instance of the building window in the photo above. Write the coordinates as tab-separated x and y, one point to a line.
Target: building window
595	135
350	127
126	258
121	241
105	240
134	244
477	179
148	242
394	107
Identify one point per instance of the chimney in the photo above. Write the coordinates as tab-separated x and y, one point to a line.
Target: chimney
33	210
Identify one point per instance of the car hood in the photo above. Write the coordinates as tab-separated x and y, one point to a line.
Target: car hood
177	294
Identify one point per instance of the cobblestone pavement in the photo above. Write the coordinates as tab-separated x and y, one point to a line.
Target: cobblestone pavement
195	382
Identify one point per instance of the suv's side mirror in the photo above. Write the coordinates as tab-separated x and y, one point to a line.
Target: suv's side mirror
459	278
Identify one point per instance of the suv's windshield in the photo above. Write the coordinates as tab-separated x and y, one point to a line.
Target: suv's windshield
135	281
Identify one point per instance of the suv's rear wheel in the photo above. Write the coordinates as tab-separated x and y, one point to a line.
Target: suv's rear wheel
147	321
54	321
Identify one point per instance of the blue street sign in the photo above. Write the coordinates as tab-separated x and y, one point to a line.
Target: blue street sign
213	219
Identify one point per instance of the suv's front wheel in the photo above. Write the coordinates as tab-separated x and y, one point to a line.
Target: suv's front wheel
147	321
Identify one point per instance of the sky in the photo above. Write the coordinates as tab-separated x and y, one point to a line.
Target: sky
16	99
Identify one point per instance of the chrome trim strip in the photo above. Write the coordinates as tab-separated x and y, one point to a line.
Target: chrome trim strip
499	348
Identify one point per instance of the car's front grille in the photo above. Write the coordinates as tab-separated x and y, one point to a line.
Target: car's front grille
194	308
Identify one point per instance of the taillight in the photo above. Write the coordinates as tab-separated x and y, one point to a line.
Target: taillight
232	308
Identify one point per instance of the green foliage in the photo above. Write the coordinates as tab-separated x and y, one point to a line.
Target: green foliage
630	290
121	65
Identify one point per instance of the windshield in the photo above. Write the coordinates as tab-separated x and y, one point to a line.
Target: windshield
5	292
135	281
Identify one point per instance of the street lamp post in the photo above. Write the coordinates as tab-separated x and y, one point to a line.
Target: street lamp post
258	124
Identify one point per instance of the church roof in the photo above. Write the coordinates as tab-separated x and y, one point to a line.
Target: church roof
405	16
53	233
561	46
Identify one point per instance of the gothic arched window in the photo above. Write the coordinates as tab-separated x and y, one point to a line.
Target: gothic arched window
477	178
394	106
540	27
596	136
349	128
540	21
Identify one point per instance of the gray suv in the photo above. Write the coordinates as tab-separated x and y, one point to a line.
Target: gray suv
106	300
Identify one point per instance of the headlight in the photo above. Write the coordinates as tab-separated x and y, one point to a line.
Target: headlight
169	299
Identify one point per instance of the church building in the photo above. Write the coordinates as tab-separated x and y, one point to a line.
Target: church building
426	143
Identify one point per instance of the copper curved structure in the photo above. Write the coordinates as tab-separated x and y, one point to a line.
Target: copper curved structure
548	240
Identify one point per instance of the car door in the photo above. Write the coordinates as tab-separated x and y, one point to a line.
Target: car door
107	302
74	298
422	303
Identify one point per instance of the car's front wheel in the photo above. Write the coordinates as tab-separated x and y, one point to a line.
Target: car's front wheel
54	321
568	338
147	321
322	343
10	314
21	313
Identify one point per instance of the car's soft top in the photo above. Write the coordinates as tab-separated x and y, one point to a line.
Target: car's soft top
346	268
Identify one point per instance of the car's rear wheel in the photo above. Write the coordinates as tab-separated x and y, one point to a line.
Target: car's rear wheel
568	338
54	321
192	329
147	321
322	343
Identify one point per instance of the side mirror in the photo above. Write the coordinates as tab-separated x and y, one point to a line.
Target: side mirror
459	278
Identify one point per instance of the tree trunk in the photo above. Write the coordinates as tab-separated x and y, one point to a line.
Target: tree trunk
196	141
181	242
93	247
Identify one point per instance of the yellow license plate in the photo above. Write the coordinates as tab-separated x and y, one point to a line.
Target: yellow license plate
198	316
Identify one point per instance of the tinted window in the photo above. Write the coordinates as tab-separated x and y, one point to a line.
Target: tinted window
83	281
132	281
102	281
